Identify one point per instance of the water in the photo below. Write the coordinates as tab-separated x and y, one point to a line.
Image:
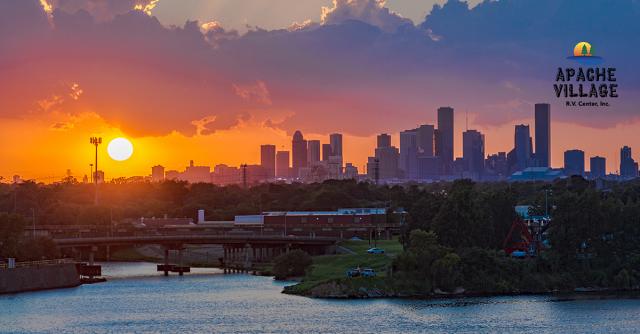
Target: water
136	299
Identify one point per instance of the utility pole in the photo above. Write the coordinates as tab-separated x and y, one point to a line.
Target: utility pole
96	141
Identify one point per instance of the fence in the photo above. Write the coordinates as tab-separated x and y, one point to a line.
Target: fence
37	263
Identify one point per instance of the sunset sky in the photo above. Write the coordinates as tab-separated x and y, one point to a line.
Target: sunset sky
211	80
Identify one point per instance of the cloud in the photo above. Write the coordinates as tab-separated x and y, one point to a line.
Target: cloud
102	10
62	126
362	70
372	12
257	92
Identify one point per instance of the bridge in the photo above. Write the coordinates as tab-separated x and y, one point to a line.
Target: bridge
240	251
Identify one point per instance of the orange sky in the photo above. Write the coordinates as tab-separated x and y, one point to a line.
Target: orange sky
35	150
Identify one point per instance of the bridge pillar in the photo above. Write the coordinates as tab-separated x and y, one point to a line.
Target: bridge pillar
247	250
92	252
166	261
180	261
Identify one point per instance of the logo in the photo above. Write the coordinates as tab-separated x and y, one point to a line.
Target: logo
583	54
587	85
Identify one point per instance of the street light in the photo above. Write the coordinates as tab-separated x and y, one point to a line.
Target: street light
95	141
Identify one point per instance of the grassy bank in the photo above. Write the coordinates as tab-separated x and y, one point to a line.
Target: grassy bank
333	268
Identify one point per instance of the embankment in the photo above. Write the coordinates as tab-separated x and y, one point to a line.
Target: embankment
38	278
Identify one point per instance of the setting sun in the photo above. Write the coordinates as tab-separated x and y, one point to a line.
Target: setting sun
120	149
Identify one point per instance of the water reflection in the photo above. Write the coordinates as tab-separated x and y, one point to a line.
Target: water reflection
137	299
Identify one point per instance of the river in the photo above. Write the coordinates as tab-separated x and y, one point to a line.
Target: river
137	299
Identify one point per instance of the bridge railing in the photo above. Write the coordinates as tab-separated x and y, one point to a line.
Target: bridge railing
25	264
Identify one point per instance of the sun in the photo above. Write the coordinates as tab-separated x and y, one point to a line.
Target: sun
120	149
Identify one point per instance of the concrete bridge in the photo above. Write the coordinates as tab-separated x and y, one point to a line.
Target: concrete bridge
240	251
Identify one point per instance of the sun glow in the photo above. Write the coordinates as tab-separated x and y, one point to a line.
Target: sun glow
120	149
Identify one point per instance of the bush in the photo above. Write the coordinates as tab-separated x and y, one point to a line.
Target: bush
292	264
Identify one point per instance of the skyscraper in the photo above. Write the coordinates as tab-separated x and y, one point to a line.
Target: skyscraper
268	160
543	134
387	158
326	152
424	139
598	167
574	162
522	143
384	140
628	166
157	173
282	164
335	139
473	152
313	151
444	148
299	154
409	153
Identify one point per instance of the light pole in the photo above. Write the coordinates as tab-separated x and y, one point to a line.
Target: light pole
95	141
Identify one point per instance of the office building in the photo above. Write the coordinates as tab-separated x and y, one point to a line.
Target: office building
157	173
522	147
196	174
387	157
298	154
543	134
384	140
282	164
313	151
326	152
409	154
574	162
335	140
598	166
444	148
424	139
268	160
473	153
628	166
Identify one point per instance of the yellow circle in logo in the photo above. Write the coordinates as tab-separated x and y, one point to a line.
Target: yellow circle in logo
582	49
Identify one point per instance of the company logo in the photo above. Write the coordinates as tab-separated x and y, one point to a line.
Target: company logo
583	54
586	85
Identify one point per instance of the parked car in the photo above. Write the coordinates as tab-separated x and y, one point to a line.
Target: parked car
375	251
353	272
368	272
361	272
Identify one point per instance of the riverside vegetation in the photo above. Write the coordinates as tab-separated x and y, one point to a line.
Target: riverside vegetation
451	242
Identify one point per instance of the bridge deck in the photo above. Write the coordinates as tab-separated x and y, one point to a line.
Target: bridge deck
194	240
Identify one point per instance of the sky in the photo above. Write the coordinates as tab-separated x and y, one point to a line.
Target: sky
211	80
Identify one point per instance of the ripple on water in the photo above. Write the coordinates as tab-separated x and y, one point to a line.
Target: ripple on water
136	299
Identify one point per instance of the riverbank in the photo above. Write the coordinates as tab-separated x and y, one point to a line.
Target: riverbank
39	277
327	278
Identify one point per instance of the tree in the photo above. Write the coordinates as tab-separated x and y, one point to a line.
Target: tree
11	229
291	264
584	49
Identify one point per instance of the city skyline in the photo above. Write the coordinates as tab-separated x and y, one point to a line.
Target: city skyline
406	162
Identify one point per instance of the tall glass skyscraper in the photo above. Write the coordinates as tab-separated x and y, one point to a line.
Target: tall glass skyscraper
444	142
543	134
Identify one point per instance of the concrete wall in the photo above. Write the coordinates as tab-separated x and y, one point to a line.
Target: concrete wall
38	278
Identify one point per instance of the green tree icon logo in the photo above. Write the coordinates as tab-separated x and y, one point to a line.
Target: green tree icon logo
584	50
